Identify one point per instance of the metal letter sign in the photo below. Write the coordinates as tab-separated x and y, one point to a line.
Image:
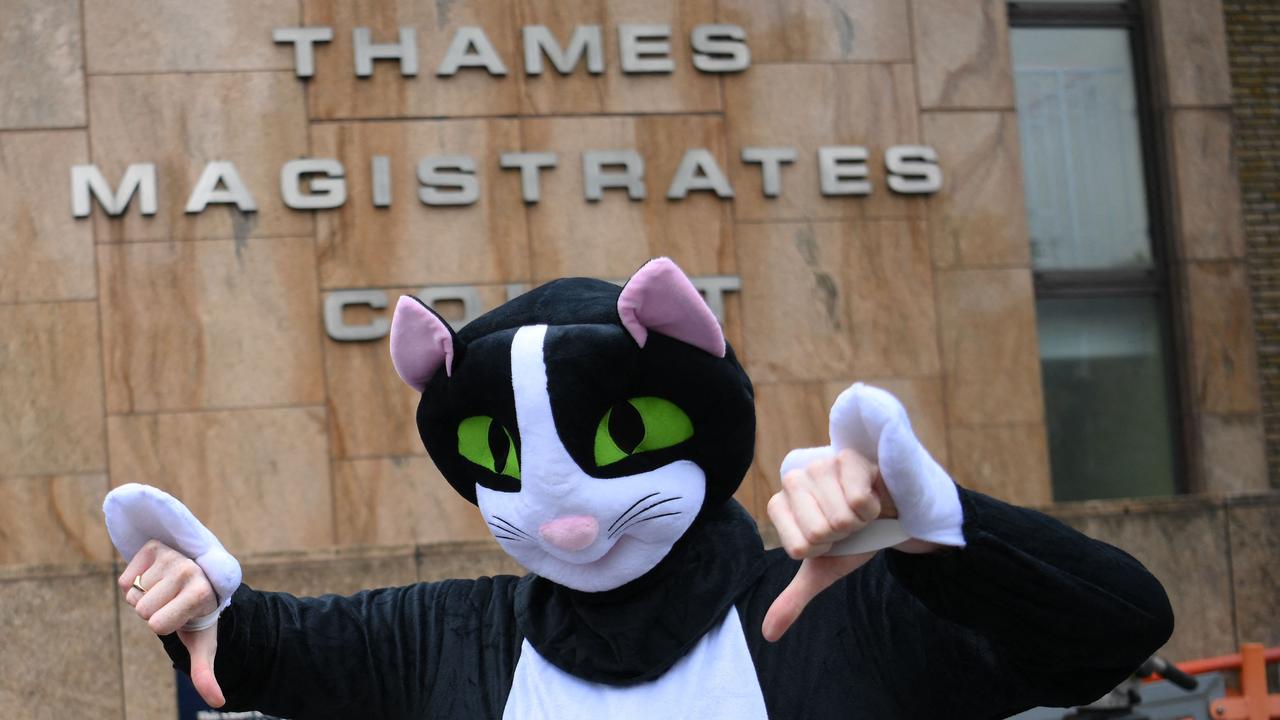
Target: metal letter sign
443	180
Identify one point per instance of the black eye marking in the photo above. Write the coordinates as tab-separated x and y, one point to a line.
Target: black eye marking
499	447
626	426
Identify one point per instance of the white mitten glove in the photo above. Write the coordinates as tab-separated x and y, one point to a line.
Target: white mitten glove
873	423
138	513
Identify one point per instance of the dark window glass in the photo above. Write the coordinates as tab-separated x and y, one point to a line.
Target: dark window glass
1106	395
1101	303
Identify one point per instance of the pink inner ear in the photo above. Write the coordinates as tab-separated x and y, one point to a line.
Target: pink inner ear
420	343
659	297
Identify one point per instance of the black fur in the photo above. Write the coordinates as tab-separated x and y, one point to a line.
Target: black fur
592	364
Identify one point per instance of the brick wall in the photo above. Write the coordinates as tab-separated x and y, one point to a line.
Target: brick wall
1253	43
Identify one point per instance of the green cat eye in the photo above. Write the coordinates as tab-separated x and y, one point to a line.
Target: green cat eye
482	441
640	425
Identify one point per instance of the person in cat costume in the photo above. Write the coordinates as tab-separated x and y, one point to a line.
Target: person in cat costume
602	432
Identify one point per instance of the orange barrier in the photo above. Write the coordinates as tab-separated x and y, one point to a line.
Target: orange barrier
1223	662
1253	702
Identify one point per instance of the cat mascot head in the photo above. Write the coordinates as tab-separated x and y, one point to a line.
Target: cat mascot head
592	425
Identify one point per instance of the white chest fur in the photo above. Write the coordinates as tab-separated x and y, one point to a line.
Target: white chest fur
715	680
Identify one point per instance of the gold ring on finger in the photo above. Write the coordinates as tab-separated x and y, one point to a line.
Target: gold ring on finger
137	585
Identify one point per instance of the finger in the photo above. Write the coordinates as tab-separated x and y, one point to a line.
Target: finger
194	600
815	575
785	523
159	596
888	508
828	491
161	568
202	646
812	522
791	530
857	482
142	560
133	596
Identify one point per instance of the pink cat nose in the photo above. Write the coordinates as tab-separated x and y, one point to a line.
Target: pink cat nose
571	533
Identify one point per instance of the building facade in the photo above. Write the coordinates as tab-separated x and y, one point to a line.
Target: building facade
1050	228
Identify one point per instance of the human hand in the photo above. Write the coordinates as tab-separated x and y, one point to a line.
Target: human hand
177	592
830	499
188	575
874	487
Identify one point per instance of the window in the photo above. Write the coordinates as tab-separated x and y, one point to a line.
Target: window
1102	302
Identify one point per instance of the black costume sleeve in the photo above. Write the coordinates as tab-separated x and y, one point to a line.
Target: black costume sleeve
379	653
1030	612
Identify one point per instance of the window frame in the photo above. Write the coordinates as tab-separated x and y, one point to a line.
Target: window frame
1154	282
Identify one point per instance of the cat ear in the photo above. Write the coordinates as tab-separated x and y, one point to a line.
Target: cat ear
421	341
659	297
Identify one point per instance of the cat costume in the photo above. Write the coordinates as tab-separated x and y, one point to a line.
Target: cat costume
602	433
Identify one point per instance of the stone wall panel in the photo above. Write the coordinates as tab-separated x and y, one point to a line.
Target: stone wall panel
210	324
50	389
45	253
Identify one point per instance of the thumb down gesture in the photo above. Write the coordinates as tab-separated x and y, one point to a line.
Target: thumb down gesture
179	577
873	487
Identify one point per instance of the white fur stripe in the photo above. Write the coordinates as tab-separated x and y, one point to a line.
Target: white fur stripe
540	448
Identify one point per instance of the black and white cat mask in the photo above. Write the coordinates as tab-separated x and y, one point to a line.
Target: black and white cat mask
592	425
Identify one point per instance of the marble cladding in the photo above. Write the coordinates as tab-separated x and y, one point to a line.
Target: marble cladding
53	519
339	94
838	299
1193	52
51	412
782	31
1222	366
683	90
1010	462
1232	452
990	359
962	54
410	243
210	324
341	572
444	561
763	110
183	121
1209	223
41	64
978	219
61	654
45	254
398	500
565	235
1254	525
259	479
335	91
177	36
